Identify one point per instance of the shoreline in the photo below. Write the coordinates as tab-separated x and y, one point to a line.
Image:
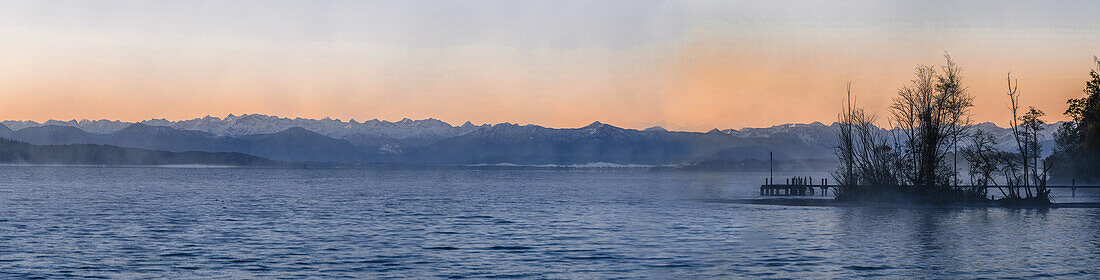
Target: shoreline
825	202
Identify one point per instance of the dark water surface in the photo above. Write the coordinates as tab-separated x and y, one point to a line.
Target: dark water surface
70	222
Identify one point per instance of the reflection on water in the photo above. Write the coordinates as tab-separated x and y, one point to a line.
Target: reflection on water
69	222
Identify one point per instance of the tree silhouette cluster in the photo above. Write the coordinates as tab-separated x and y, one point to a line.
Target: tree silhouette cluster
917	159
929	115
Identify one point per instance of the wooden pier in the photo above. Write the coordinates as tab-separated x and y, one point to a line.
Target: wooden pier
800	186
786	190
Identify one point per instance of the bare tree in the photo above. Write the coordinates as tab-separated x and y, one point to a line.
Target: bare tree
849	148
932	112
870	162
846	178
1033	124
1025	130
1017	131
984	161
875	159
1017	134
958	104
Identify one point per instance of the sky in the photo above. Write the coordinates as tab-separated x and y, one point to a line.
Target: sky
683	65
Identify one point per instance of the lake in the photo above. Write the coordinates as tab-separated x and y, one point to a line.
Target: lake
153	222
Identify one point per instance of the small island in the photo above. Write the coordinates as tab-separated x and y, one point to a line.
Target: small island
917	160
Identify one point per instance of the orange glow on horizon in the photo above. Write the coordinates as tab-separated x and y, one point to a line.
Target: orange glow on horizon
684	66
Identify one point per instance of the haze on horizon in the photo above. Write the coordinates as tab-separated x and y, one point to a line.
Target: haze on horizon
683	65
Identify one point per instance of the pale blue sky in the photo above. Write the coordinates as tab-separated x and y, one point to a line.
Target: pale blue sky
681	64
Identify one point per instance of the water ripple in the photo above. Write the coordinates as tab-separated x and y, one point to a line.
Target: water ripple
76	222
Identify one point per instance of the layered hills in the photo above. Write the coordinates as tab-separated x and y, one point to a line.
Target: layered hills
432	141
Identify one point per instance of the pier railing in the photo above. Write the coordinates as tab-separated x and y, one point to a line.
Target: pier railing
802	186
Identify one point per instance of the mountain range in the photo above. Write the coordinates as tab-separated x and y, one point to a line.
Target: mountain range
432	141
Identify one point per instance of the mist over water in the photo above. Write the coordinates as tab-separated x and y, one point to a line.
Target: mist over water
138	222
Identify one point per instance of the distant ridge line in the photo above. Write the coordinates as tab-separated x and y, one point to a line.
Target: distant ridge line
118	125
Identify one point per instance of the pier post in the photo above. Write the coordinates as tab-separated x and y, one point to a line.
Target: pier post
1074	186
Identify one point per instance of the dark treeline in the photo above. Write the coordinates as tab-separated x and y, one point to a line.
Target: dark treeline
1077	142
14	152
918	160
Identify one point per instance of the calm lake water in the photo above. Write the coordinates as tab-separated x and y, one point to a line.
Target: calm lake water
70	222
